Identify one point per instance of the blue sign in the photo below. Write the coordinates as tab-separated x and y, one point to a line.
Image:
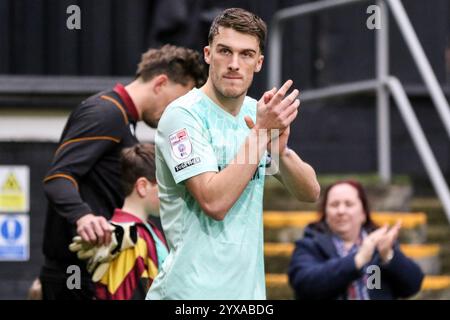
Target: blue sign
14	237
11	229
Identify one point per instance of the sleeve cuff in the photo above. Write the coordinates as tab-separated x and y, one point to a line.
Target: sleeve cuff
78	212
194	172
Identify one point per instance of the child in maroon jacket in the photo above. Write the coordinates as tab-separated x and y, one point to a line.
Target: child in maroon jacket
132	271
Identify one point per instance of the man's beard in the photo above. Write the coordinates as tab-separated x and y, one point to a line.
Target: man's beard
149	120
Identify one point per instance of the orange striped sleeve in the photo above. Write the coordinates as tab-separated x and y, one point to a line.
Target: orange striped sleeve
86	139
64	176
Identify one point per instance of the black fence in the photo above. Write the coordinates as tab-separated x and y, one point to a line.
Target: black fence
331	47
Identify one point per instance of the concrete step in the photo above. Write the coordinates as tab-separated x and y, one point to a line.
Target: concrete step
445	257
427	256
432	206
433	286
287	226
439	233
438	229
393	197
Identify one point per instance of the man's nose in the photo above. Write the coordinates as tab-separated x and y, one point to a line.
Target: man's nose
234	63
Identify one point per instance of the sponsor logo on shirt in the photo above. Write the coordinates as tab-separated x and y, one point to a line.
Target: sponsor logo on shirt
181	144
186	164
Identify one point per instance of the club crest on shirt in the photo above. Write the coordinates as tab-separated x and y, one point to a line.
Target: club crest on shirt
181	144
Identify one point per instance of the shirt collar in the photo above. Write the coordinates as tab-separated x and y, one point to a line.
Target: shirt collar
123	216
125	97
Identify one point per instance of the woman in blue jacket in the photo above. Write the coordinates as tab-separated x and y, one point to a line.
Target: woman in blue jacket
345	256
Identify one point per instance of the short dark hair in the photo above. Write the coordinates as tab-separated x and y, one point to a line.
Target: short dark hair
136	162
242	21
178	63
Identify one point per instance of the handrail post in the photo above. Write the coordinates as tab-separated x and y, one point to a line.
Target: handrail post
275	52
383	119
423	148
422	63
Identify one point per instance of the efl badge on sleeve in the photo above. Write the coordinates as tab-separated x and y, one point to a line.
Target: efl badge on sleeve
181	144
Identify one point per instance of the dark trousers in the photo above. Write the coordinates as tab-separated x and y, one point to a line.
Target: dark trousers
56	284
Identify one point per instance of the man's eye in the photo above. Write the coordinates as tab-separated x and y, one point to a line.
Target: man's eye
247	54
226	51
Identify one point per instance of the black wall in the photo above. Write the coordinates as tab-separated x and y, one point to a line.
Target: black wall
319	50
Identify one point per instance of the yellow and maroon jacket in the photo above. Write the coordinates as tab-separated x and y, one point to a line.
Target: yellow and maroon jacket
131	273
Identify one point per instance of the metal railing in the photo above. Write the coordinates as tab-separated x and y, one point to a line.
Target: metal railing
383	85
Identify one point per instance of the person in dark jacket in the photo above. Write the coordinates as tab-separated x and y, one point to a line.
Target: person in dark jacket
345	256
83	183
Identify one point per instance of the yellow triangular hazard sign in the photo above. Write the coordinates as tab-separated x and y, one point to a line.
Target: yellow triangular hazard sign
11	184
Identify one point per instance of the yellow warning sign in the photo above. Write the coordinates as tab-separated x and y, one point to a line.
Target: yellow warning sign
13	195
11	184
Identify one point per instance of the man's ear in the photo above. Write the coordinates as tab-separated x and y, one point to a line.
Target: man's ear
207	54
259	63
158	82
